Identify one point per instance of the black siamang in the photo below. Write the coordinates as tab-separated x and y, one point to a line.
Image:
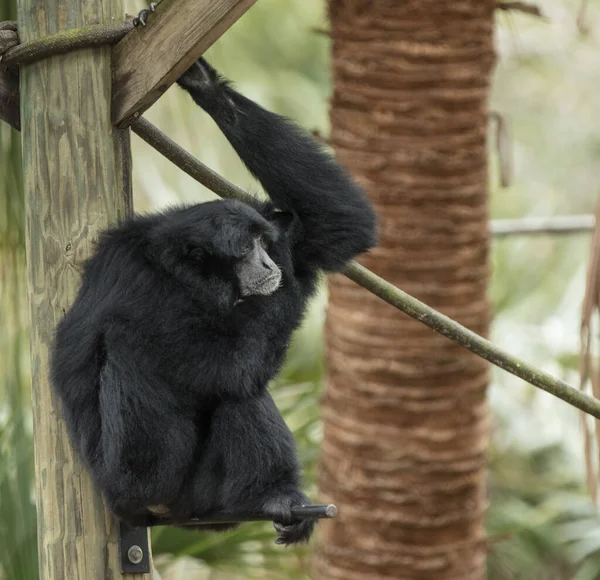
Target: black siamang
183	317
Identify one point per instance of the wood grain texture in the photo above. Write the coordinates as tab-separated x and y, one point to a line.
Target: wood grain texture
76	176
150	58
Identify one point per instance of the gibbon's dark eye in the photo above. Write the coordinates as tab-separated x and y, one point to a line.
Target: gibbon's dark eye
247	249
262	240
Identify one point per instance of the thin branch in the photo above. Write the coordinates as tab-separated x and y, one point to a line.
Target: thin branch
473	342
582	17
504	148
386	291
570	224
187	162
524	7
589	373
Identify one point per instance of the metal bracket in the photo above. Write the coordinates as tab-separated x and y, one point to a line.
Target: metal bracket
134	551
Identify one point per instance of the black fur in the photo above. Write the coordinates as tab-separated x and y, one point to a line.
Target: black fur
163	371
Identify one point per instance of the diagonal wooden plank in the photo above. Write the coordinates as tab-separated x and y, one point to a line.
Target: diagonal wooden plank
150	58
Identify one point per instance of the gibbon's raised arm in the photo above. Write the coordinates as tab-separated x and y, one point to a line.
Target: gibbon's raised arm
337	220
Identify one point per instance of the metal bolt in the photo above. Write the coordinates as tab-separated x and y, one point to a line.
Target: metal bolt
135	554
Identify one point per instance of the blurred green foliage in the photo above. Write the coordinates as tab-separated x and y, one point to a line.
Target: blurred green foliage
540	522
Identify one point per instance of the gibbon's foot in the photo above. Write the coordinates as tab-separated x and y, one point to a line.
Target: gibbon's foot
295	533
289	530
143	16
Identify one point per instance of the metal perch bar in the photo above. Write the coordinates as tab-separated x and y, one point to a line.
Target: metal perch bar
568	224
315	512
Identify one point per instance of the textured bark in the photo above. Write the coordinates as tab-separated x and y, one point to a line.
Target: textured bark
405	409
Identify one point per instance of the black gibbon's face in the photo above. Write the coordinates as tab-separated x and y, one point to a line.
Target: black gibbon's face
221	249
256	273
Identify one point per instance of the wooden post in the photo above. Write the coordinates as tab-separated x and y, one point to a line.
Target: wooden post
77	181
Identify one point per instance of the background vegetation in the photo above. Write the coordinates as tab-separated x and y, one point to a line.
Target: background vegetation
541	524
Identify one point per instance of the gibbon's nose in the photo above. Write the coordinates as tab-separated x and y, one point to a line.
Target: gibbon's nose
268	264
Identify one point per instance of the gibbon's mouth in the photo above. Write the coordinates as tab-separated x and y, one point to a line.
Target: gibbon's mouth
264	287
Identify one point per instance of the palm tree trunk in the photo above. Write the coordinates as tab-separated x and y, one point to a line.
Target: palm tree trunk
405	409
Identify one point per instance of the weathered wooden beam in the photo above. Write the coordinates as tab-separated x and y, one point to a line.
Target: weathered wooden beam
77	182
151	58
